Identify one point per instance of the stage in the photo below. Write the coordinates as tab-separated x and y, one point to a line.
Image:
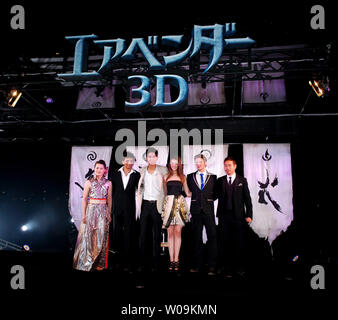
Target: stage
251	81
52	274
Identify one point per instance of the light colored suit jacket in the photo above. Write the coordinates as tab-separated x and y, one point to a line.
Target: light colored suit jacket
140	190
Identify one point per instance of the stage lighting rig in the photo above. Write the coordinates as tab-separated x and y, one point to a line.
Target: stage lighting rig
13	97
320	87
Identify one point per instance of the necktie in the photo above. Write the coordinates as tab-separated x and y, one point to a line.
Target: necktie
202	182
230	180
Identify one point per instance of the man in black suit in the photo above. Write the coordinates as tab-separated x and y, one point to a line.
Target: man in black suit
234	213
202	183
125	182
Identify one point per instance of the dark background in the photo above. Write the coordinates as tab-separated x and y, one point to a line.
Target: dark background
35	164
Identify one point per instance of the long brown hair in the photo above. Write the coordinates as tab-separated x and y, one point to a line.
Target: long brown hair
179	169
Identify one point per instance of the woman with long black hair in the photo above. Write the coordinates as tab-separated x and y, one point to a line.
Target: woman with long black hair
91	251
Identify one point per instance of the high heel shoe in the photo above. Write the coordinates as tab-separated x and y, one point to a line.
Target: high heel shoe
171	266
177	266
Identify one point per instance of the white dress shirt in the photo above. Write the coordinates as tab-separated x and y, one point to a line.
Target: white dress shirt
125	178
198	177
152	185
233	177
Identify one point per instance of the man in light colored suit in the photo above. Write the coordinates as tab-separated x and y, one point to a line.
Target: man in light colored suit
150	196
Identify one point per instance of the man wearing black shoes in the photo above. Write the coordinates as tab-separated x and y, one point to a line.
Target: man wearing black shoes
125	182
202	183
234	213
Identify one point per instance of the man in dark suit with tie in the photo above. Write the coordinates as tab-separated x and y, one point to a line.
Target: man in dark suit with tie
201	184
234	213
125	182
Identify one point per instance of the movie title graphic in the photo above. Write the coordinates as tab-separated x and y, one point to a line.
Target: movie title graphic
214	39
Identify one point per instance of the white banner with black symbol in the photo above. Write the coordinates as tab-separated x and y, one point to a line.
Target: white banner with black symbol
267	168
269	90
206	93
81	168
96	97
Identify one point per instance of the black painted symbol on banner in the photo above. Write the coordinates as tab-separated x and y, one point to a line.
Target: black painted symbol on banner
96	104
91	156
88	175
264	95
79	185
264	186
266	156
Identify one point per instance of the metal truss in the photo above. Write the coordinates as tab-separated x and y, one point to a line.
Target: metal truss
235	65
34	76
6	244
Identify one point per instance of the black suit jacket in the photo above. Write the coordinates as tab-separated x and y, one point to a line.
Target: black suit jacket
241	199
124	200
202	199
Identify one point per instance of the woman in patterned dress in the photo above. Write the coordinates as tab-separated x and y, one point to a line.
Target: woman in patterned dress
91	250
174	213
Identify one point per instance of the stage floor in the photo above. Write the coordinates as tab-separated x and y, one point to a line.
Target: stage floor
52	273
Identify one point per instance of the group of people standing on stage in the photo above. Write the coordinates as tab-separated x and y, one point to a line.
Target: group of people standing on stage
161	192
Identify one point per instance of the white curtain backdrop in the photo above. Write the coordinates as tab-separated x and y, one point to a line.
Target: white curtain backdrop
215	155
82	164
267	168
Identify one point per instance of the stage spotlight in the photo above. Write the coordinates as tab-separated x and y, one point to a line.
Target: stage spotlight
319	87
26	247
295	258
49	100
14	97
24	228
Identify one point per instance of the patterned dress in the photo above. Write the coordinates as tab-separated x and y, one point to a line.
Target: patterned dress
175	208
91	248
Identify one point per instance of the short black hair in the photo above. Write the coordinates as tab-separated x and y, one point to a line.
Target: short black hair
127	154
229	158
152	149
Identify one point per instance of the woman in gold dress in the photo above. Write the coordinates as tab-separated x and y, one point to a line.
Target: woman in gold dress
91	250
174	213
